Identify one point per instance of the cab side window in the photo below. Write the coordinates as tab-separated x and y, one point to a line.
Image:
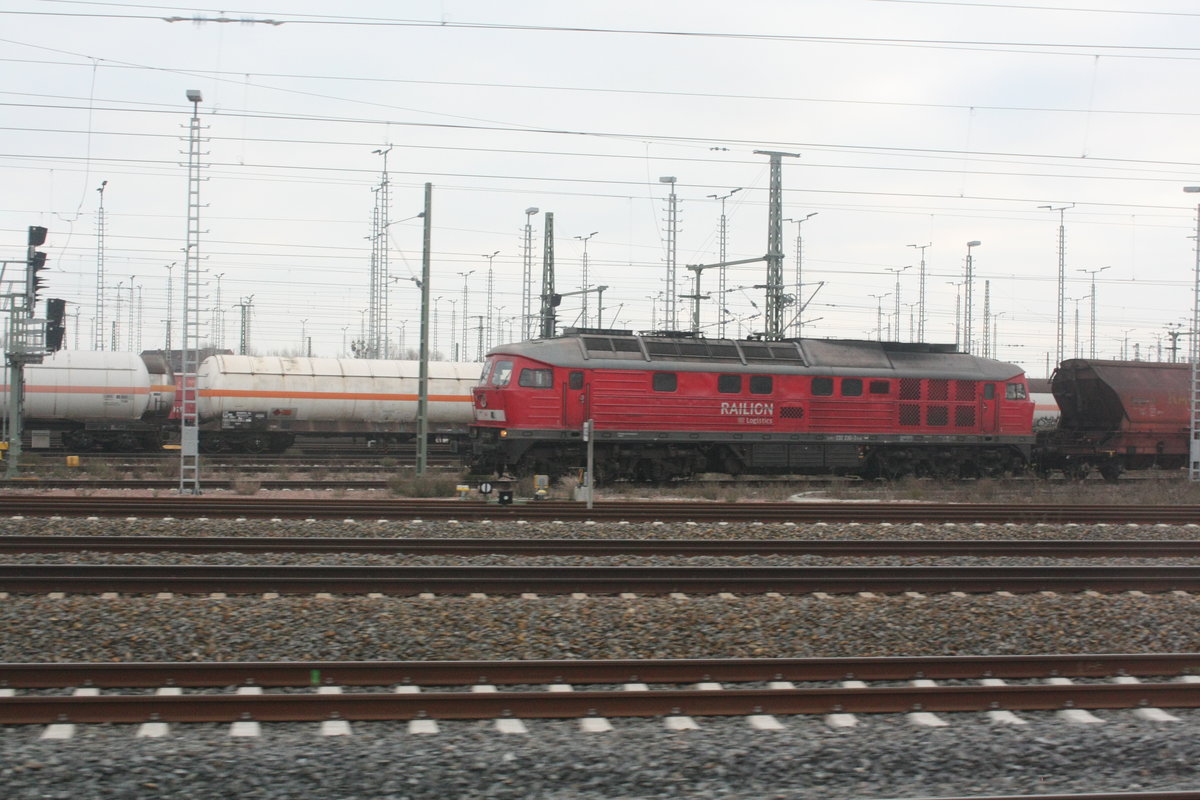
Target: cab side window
1015	391
822	387
761	384
729	384
665	382
537	378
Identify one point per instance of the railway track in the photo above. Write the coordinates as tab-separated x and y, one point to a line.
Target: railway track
1172	688
1066	548
633	511
517	580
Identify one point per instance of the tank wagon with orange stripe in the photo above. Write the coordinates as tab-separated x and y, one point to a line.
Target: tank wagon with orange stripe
124	402
261	404
669	406
99	399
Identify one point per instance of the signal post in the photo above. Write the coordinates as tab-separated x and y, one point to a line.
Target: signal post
26	341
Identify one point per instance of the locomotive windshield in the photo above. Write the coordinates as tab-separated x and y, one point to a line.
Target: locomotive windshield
502	373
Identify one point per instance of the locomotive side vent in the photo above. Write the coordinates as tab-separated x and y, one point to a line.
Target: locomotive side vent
910	414
910	389
791	412
939	390
937	415
964	391
964	417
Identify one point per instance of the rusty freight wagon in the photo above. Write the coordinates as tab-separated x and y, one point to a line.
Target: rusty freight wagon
1117	415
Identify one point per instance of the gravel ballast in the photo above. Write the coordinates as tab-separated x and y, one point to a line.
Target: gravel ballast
884	756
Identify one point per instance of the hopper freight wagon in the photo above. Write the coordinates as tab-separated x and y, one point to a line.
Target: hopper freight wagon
1117	416
672	406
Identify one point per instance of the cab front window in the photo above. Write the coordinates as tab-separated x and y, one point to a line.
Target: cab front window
502	374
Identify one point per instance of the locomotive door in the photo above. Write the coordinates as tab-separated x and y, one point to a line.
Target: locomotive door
575	401
989	409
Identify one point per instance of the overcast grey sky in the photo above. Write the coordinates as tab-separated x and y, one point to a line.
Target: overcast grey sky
916	123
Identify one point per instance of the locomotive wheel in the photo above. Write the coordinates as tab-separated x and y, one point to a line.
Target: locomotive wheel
1111	470
891	465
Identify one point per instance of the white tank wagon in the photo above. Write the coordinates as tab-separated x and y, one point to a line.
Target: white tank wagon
94	399
260	404
1045	408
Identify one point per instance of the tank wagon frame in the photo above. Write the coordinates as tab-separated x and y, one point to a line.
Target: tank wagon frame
671	406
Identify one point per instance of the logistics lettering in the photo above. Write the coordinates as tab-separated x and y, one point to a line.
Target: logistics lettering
748	409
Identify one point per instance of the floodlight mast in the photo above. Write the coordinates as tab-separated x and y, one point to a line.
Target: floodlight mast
189	413
672	320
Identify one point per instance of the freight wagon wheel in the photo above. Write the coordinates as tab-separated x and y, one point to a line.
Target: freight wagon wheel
79	440
1077	470
123	443
1111	470
214	444
256	443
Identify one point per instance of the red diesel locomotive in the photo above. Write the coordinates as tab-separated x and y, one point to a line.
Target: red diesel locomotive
671	406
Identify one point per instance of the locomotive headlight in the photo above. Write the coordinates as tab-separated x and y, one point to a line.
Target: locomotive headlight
503	434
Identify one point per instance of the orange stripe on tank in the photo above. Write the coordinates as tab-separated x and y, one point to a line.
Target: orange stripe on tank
48	389
439	398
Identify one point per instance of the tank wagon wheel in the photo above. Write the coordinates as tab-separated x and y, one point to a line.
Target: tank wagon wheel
256	443
124	443
214	444
79	440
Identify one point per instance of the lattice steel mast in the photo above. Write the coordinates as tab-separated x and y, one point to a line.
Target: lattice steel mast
671	312
775	295
527	278
723	254
548	297
98	339
189	420
1059	336
377	325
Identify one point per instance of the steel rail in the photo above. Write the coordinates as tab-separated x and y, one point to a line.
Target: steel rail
512	580
1184	795
578	671
211	506
564	705
1055	548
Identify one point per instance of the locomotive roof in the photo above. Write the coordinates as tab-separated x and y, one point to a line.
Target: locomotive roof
621	350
